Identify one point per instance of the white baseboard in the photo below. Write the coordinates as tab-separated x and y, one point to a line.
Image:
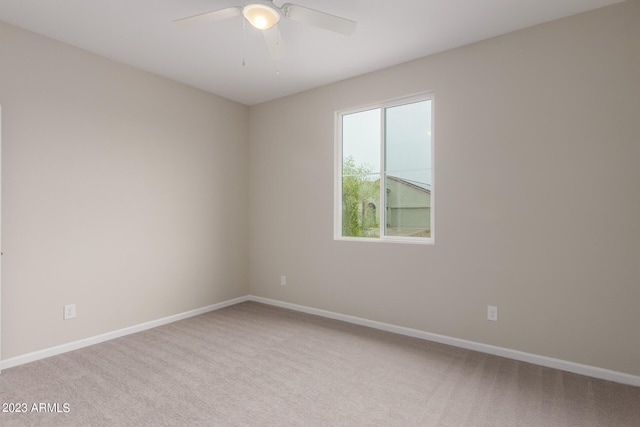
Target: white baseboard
53	351
577	368
591	371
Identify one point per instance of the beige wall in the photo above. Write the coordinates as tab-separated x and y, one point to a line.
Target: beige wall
126	194
528	128
122	192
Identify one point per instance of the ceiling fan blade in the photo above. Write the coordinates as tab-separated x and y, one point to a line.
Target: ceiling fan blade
274	42
319	19
216	15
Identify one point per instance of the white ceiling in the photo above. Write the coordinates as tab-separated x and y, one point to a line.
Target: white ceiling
141	33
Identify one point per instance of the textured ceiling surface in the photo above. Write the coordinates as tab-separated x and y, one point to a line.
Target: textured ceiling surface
231	59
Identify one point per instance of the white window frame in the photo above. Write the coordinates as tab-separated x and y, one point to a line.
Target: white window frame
338	171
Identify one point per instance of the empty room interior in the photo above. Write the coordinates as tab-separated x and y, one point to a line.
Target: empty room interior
185	186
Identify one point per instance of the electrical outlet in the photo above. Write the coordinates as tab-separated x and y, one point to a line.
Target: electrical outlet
69	311
283	280
492	313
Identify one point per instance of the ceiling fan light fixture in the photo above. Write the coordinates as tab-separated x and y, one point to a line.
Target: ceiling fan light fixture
261	16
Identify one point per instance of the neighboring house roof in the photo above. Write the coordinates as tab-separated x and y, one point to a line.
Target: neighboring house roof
413	184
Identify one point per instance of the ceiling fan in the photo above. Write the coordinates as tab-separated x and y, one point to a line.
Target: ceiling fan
265	15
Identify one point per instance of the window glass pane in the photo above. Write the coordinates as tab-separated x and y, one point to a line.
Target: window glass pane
408	138
361	174
360	204
408	208
408	170
361	138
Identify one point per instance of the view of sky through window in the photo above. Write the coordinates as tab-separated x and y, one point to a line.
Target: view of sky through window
408	134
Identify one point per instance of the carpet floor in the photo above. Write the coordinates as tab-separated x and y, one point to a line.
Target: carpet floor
256	365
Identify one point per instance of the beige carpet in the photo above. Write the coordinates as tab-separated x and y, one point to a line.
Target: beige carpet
257	365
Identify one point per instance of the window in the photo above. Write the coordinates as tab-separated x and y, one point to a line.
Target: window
384	172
